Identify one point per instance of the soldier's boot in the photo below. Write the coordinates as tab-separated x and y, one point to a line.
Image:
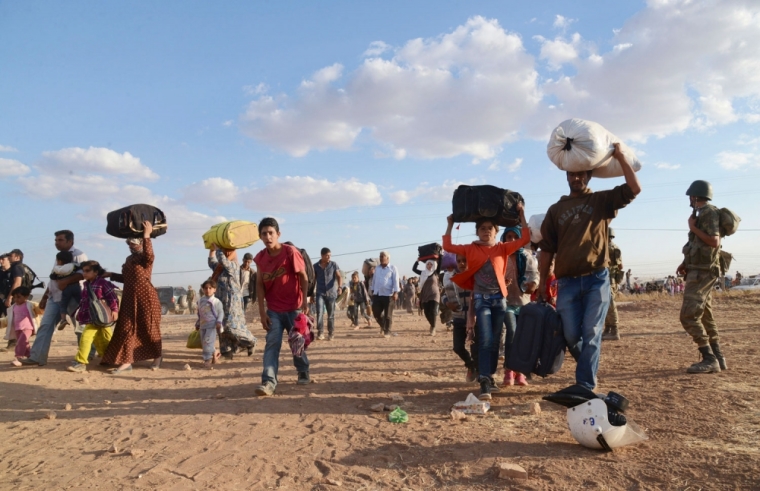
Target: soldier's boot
709	363
721	359
606	331
611	334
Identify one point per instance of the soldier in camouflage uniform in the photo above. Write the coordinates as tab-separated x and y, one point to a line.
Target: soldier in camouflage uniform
616	276
701	268
191	303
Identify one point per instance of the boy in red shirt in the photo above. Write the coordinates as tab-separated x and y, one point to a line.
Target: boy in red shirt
281	289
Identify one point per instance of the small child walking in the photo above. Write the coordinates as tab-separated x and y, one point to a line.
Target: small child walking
210	318
21	318
98	335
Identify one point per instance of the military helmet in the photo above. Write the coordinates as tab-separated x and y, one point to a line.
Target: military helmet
700	189
611	232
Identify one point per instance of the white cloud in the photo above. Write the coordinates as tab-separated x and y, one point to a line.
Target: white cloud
12	168
376	48
72	161
252	90
401	227
562	22
737	160
667	166
228	123
427	192
481	71
557	52
214	190
497	165
7	148
307	194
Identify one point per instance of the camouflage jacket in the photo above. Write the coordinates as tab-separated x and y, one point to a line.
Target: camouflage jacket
697	254
616	259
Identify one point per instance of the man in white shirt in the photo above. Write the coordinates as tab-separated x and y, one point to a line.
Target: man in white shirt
50	302
385	290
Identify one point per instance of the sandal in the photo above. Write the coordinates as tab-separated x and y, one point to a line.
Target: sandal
157	363
119	371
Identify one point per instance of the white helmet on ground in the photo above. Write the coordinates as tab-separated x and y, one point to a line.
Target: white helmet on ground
590	426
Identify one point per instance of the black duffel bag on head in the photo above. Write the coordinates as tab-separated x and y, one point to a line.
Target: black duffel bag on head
127	222
429	251
473	202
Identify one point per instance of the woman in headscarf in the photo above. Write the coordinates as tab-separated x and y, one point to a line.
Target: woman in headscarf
235	335
430	292
137	335
410	295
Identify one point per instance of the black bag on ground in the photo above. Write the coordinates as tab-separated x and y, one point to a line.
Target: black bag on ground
539	344
126	223
429	251
473	202
309	270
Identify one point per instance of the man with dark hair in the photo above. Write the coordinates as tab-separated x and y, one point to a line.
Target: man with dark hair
5	291
51	301
16	273
575	236
329	283
384	288
281	290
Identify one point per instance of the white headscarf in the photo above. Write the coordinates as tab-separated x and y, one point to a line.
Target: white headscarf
427	272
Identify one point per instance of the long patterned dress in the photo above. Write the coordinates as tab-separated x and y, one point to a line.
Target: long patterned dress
137	335
235	334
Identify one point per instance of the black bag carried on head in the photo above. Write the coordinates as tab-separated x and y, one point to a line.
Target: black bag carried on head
127	222
539	344
429	251
473	202
309	266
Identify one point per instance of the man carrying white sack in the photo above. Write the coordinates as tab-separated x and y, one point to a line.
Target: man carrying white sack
574	234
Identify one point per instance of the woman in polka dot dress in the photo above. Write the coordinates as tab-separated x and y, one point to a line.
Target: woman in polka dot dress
235	335
137	335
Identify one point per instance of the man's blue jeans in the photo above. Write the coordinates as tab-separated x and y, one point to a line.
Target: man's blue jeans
325	303
582	302
489	314
45	331
281	322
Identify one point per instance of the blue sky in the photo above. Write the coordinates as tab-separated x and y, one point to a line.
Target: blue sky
352	122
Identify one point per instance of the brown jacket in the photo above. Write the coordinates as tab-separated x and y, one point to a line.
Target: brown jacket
575	229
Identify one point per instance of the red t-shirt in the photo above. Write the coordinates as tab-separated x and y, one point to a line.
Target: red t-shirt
282	289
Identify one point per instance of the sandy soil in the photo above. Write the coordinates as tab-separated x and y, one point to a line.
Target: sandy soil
201	429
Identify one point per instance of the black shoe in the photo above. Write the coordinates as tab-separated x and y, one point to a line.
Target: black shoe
494	387
485	389
708	364
719	355
303	378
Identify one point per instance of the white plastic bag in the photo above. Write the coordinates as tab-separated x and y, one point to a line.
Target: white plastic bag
578	145
534	224
472	405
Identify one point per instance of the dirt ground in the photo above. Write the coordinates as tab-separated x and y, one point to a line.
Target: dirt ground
205	429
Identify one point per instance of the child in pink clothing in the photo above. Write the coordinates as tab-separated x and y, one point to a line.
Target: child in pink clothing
21	317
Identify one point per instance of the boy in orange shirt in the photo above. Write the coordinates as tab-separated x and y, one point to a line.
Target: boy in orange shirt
484	276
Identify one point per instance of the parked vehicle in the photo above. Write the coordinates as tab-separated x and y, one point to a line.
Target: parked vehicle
172	298
748	284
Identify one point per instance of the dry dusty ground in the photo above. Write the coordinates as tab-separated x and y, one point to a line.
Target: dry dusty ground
199	429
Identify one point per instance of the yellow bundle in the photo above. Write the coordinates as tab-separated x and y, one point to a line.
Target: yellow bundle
238	234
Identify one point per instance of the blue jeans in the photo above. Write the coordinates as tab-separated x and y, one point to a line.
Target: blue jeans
325	303
50	319
489	314
582	302
508	334
281	322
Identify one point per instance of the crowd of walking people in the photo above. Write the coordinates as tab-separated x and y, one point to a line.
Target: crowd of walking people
476	291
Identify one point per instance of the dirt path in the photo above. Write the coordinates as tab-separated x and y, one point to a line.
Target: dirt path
200	429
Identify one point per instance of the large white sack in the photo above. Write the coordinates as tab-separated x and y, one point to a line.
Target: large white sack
534	224
578	145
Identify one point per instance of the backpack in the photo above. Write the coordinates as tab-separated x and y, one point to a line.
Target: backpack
473	202
100	312
729	222
29	277
539	344
309	266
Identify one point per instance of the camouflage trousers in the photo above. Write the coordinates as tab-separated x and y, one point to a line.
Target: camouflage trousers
696	311
612	315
